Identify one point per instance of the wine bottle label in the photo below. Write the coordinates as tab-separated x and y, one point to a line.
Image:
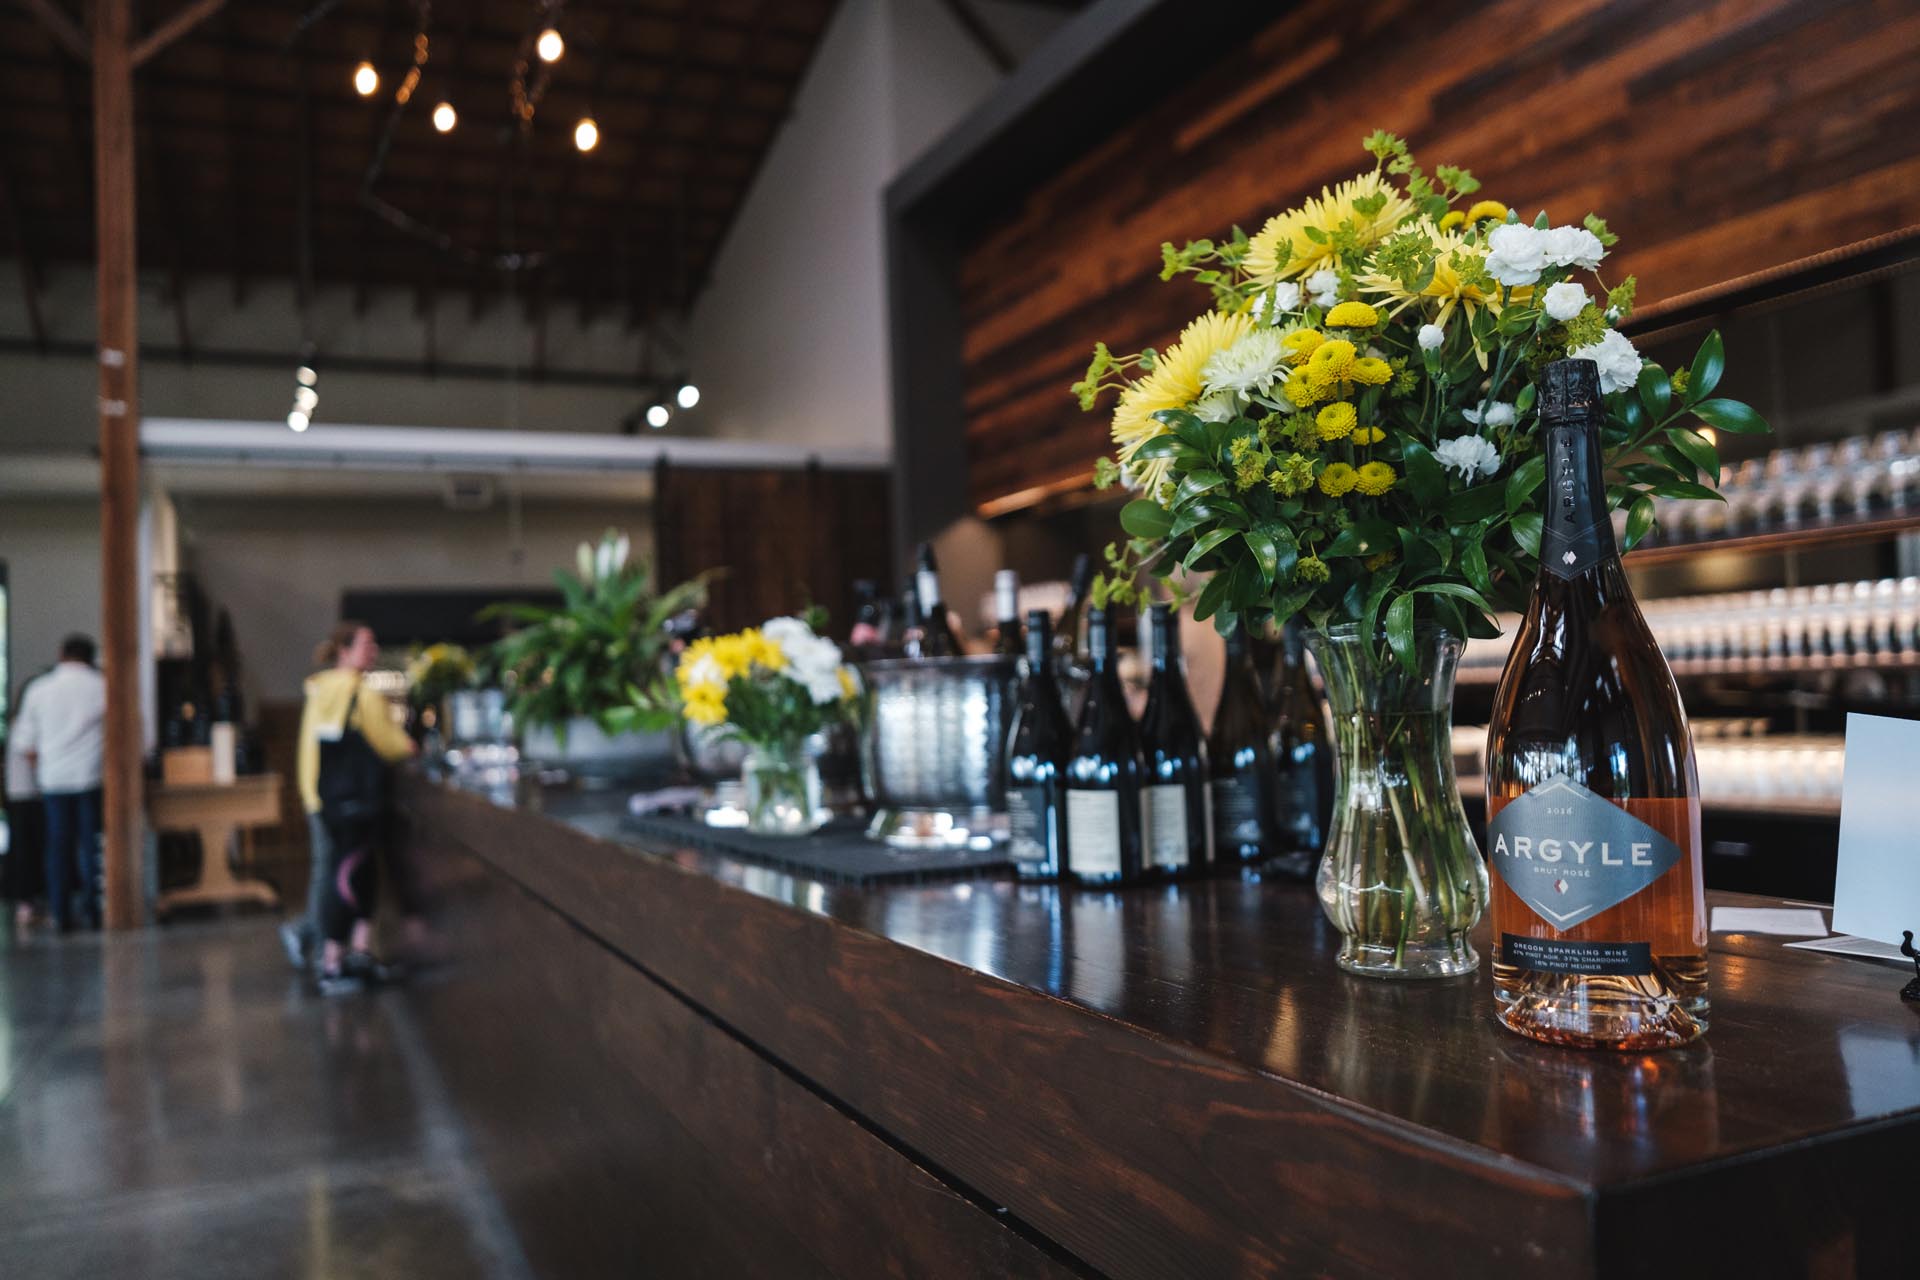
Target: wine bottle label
1093	828
1236	811
1576	532
1027	819
1165	808
1589	959
1570	854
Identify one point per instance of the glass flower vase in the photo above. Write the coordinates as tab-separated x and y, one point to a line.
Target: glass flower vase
781	781
1401	877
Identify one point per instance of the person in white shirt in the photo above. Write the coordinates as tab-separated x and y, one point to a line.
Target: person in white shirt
24	879
61	730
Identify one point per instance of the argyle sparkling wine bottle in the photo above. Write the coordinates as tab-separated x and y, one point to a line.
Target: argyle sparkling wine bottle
1593	801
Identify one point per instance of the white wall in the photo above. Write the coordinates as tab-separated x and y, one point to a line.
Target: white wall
790	335
279	567
52	551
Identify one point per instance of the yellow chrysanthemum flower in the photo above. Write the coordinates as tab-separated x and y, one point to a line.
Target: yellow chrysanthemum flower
1487	209
1302	391
1368	435
1174	384
1452	220
848	686
1353	315
1337	479
1301	343
732	654
1372	371
761	651
1282	249
1331	359
1375	478
1448	286
707	704
1336	421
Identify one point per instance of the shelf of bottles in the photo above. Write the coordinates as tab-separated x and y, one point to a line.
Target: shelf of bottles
1856	489
1831	627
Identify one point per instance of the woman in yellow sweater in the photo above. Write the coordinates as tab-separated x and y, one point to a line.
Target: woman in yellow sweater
341	888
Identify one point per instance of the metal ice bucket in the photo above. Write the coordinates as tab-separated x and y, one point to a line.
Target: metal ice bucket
934	747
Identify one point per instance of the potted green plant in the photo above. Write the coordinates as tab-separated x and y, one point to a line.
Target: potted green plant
587	683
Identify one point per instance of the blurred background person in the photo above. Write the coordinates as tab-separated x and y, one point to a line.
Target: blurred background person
23	879
61	732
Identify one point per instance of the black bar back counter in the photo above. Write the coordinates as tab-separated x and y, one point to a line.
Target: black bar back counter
678	1063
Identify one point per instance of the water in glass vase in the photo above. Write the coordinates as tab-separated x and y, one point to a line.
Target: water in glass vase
1593	808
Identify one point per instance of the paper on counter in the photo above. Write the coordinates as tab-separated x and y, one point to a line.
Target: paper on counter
1876	892
1841	944
1785	921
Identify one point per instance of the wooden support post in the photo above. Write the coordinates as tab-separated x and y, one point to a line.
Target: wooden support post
113	169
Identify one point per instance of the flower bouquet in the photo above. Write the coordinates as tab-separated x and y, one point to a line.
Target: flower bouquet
771	687
1348	435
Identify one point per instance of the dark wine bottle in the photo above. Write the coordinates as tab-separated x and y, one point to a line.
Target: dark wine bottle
1246	828
1037	754
1178	828
1302	763
936	632
1593	801
913	631
1006	605
1104	776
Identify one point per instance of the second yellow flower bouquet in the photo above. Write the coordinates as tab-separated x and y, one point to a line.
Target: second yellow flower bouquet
1348	434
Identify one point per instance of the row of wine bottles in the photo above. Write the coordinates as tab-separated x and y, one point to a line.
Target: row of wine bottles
1099	799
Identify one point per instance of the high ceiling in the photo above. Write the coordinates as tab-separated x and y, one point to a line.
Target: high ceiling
255	150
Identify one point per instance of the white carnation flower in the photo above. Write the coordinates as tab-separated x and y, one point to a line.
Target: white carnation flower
1619	362
1516	253
1269	304
1249	365
1498	414
788	633
1565	300
1573	247
1324	285
705	671
1431	336
1469	455
1221	406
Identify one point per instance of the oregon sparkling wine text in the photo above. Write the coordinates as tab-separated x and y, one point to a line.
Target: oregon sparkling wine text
1178	832
1593	831
1104	775
1037	755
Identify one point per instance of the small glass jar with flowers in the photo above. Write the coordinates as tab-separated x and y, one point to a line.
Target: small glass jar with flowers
771	688
1348	436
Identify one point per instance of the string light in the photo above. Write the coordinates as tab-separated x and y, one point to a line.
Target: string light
306	396
550	46
306	399
443	117
688	396
366	81
657	416
305	376
586	134
297	420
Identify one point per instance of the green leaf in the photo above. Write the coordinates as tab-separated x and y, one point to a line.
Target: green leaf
1687	489
1473	562
1426	478
1166	446
1400	631
1457	590
1526	532
1471	506
1656	393
1698	450
1525	479
1144	518
1205	543
1266	554
1674	460
1639	520
1731	415
1196	483
1376	592
1708	364
1213	595
1363	538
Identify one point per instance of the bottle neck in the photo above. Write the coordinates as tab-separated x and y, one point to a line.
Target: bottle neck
1006	595
927	588
1576	533
1165	643
1039	648
1100	642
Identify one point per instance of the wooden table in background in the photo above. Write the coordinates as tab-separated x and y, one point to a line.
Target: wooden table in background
217	813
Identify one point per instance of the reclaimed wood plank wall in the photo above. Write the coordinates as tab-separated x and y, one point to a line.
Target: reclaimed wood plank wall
1718	139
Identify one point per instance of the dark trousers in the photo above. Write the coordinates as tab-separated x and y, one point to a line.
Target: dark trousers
73	840
353	878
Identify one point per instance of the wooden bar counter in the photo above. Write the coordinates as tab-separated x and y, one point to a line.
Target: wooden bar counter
678	1063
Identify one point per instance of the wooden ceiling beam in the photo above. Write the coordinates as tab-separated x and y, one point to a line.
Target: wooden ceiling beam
172	29
61	26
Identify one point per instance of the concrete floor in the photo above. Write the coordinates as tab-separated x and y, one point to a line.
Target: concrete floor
174	1104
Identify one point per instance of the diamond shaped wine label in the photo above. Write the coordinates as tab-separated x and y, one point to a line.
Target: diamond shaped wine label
1570	854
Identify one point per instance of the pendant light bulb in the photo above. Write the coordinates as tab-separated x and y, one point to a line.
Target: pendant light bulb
550	46
657	416
443	117
305	376
297	420
586	134
366	81
688	396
